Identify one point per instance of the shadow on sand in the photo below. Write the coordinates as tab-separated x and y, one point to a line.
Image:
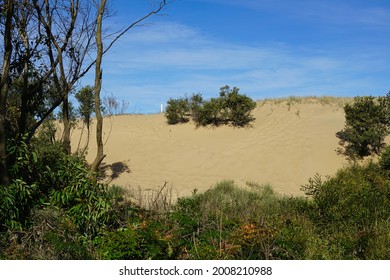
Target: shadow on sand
112	171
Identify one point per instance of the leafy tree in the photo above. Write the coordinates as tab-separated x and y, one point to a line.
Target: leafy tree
86	106
366	126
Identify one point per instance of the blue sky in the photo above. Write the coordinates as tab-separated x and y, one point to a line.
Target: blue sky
267	48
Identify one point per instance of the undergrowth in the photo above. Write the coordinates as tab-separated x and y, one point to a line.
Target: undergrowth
58	212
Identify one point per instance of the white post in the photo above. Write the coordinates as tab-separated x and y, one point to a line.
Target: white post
161	108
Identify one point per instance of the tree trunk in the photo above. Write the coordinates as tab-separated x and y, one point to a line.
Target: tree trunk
98	84
8	11
66	121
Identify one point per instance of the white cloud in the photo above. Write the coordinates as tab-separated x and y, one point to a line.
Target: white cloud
165	60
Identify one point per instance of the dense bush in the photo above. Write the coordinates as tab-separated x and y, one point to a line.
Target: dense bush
230	107
44	176
351	209
22	194
384	160
54	210
138	241
238	106
211	113
346	217
227	222
177	110
367	123
50	236
87	203
195	103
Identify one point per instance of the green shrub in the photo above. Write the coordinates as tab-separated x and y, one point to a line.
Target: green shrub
139	241
50	236
23	193
238	106
196	103
349	207
230	107
210	113
384	160
89	204
177	110
42	174
210	225
378	245
366	126
17	200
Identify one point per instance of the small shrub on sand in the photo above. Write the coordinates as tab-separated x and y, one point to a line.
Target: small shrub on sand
211	113
177	110
230	107
238	106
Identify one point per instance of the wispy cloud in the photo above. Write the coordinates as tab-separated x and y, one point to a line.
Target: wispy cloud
151	64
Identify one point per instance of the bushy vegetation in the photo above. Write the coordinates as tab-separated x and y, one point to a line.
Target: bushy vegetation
351	210
43	178
53	208
367	123
55	211
230	107
177	110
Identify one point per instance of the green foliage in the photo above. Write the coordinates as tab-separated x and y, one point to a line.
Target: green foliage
72	113
384	160
238	106
346	218
367	123
51	236
86	202
47	131
176	110
195	102
138	241
211	113
85	97
53	210
213	225
16	199
350	206
47	181
43	174
27	100
229	107
21	160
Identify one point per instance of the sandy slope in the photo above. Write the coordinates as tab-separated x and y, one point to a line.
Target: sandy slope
285	146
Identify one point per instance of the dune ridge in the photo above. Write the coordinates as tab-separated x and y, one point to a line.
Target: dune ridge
290	140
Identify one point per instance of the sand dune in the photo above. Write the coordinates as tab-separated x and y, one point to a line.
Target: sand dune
286	145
